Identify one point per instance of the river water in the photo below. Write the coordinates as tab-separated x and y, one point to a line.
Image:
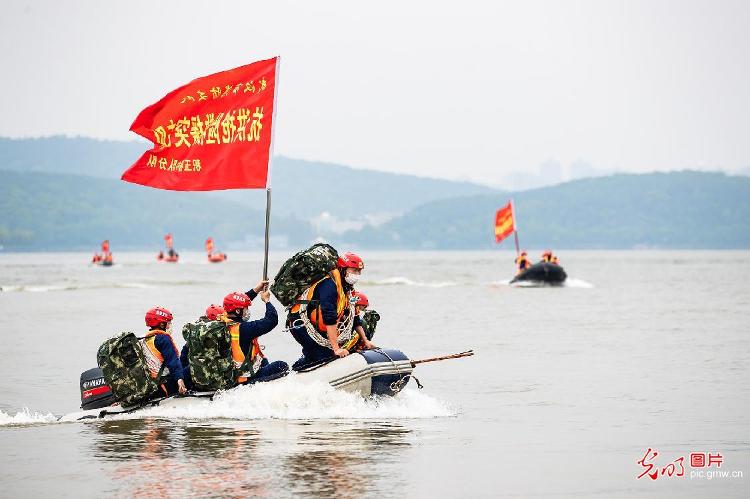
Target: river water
568	389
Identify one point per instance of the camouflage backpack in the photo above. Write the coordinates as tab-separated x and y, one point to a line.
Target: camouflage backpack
125	369
302	270
210	354
370	322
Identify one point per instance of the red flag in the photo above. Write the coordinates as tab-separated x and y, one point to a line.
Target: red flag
213	133
505	223
209	245
168	240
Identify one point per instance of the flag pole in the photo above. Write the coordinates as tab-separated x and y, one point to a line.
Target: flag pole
515	229
268	223
270	163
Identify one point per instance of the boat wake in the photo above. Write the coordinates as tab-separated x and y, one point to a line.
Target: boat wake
287	399
26	417
404	281
569	283
577	283
46	288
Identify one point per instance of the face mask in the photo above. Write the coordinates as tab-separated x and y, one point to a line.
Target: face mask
246	315
352	278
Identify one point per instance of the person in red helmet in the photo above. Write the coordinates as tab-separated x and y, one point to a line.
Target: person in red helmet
160	350
245	333
360	305
522	262
360	301
213	312
324	321
548	257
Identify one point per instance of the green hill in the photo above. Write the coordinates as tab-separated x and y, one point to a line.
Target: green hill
301	188
661	210
43	211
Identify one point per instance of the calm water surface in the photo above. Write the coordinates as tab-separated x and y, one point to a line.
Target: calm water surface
567	391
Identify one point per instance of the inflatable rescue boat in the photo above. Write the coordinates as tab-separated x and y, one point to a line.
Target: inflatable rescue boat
542	273
382	372
174	258
216	257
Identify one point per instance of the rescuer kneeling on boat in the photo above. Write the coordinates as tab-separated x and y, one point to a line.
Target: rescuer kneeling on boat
244	334
160	350
522	261
213	312
548	257
323	320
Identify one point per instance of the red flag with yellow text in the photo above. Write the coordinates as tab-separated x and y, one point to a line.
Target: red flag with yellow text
505	223
213	133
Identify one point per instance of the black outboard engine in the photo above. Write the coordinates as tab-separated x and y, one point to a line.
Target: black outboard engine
95	393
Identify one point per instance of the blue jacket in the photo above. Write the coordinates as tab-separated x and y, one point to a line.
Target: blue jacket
166	347
248	330
252	329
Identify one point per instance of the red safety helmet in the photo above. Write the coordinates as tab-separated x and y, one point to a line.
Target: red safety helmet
523	253
157	315
351	261
361	299
547	253
213	312
235	301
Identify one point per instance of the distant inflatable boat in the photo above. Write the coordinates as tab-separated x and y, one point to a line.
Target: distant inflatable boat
168	258
102	261
542	272
217	257
382	372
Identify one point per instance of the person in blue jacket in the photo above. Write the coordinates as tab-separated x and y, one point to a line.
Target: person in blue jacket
245	333
327	326
161	352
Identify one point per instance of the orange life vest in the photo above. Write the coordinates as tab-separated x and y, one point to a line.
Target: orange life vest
523	263
238	356
154	358
315	314
343	306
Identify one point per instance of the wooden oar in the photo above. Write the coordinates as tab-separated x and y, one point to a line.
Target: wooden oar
467	353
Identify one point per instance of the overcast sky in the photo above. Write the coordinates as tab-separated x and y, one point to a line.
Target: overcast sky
447	89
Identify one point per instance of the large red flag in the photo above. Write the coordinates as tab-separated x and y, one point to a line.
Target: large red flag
213	133
504	222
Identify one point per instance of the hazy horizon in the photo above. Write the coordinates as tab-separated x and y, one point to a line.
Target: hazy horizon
521	92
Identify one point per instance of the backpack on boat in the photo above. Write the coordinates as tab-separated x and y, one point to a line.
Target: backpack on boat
303	270
125	369
210	355
369	322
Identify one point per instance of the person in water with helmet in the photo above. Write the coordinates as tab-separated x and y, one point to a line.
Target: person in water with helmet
245	333
328	324
522	262
160	350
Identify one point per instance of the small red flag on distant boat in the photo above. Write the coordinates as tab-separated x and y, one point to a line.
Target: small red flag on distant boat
213	133
505	223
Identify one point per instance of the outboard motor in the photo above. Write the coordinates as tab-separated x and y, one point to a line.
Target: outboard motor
95	393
